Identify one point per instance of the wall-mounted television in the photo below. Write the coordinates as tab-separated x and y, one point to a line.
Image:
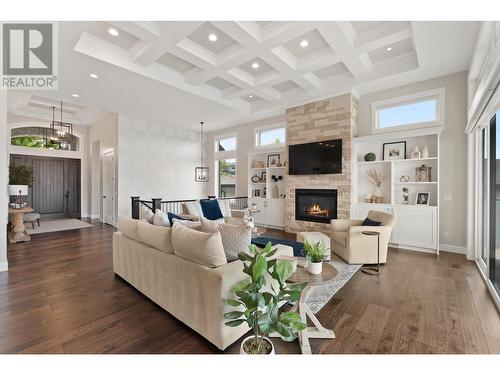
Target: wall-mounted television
323	157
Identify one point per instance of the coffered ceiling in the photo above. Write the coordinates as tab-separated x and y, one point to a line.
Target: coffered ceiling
226	73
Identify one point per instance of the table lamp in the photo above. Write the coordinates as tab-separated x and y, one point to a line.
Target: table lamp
18	191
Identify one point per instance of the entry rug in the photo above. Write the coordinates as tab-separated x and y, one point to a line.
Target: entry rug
56	226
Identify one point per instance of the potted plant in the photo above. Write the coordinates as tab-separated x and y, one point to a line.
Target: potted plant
20	178
259	299
316	254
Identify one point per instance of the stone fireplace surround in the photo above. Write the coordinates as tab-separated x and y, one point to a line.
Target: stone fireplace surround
333	118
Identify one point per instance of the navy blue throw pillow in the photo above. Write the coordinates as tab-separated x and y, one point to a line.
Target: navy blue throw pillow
211	209
370	223
172	216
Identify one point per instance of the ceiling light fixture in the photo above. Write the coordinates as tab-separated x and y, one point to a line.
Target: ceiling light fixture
201	173
59	132
92	75
113	31
75	95
255	65
212	37
304	43
388	49
250	96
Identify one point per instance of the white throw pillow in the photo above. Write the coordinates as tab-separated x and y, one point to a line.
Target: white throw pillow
210	226
235	239
147	214
188	223
161	219
225	208
194	208
203	248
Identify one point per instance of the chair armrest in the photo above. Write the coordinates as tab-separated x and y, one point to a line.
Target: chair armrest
343	225
381	229
238	213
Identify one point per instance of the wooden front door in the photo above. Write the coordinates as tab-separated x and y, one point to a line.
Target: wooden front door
56	190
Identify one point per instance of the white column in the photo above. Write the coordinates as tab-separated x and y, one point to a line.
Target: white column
4	180
471	196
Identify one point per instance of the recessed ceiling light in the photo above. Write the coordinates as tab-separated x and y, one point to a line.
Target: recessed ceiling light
212	37
255	65
92	75
388	49
75	95
250	96
113	31
304	43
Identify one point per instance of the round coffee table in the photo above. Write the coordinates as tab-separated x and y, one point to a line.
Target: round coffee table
317	331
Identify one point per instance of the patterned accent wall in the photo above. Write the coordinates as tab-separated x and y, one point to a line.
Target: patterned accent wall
156	161
327	119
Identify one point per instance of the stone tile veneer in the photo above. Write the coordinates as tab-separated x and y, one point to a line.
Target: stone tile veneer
323	120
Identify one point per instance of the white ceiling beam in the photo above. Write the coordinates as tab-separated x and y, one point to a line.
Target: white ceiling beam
386	32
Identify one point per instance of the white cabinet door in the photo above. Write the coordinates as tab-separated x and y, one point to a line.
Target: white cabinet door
260	217
276	213
416	226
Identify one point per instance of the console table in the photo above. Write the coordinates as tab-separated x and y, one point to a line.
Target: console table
18	232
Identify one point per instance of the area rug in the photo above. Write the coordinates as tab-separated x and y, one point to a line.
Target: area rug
321	294
47	226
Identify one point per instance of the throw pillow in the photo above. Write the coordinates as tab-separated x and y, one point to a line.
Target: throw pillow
211	209
235	239
210	226
128	227
161	219
147	214
188	223
370	223
194	208
172	216
155	236
203	248
225	208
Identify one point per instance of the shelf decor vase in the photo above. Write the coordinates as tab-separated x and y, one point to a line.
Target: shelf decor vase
314	268
425	152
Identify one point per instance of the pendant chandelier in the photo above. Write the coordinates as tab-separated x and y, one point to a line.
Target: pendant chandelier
201	173
59	131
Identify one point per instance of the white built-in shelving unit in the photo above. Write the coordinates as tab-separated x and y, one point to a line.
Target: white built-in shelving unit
417	226
270	203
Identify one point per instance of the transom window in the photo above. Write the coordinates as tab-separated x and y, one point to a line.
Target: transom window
270	136
410	111
225	144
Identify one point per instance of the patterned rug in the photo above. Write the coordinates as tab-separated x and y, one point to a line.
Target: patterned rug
57	225
321	294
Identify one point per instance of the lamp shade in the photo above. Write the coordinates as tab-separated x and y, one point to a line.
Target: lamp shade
18	189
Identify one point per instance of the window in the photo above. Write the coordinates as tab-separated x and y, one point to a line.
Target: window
269	136
411	111
226	177
225	144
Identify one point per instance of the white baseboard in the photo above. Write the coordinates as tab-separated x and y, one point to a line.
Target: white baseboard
453	249
4	266
95	216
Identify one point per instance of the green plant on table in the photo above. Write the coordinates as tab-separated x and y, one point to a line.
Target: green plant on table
260	308
315	251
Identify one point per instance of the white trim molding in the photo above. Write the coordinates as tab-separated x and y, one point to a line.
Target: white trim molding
453	249
261	129
439	94
4	266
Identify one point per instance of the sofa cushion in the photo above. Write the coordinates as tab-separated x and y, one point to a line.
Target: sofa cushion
211	209
161	219
203	248
210	226
340	238
147	214
128	227
225	208
188	223
156	236
235	239
194	208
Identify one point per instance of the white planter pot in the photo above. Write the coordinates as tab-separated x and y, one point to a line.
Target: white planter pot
251	337
314	268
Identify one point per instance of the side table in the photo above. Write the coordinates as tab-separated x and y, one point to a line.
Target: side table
372	270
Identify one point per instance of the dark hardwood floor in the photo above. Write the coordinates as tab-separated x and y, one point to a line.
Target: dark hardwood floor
60	295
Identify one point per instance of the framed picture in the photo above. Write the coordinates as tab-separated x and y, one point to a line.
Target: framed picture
256	193
394	151
273	160
263	177
423	198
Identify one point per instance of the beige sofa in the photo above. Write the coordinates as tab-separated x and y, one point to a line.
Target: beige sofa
143	255
349	243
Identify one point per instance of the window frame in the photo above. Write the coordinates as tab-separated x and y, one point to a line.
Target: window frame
222	137
261	129
438	94
217	175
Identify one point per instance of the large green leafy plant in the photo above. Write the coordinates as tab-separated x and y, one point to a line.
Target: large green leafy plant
21	174
259	306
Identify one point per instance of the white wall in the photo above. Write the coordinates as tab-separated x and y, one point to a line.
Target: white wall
245	143
453	160
4	172
156	161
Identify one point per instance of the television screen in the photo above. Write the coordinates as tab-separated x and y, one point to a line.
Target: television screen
316	158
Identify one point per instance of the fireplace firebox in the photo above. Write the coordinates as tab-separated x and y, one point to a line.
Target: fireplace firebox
318	205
